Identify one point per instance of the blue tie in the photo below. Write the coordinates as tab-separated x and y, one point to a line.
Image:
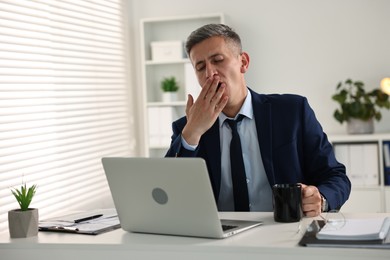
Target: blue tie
240	188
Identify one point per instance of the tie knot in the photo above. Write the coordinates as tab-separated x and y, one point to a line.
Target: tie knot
233	122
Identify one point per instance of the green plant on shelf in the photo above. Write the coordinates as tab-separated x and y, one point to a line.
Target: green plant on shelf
169	84
355	102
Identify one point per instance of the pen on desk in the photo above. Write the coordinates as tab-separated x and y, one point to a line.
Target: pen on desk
87	218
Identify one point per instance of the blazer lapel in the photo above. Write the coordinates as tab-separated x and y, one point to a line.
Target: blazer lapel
262	113
212	151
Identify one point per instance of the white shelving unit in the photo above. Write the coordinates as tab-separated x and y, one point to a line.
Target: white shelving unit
158	115
371	197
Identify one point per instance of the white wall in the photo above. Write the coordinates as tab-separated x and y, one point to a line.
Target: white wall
302	46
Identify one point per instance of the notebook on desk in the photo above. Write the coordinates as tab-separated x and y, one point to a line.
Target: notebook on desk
313	238
171	196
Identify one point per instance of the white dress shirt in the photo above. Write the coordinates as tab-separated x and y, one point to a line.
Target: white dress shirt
259	190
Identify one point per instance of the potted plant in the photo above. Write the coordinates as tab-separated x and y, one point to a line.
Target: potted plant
169	87
357	107
23	222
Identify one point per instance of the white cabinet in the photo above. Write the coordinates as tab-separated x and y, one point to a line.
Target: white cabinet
165	60
364	200
387	198
363	156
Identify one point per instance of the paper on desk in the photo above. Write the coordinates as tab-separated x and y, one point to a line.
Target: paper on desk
66	223
94	225
357	229
69	219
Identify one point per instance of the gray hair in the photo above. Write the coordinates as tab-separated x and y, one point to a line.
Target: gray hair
210	30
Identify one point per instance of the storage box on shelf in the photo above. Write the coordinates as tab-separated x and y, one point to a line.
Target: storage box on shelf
163	55
363	156
167	51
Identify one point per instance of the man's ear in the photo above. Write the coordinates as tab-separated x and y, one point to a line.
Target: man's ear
244	62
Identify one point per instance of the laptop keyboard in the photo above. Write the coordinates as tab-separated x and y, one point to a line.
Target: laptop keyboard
227	227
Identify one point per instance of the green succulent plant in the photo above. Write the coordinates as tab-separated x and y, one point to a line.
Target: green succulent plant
355	102
24	196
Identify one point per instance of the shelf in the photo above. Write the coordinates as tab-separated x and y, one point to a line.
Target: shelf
337	138
165	147
158	115
366	187
167	104
152	62
363	156
195	17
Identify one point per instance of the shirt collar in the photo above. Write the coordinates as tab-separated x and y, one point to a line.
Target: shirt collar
246	110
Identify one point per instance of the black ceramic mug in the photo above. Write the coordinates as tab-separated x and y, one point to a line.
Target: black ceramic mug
287	200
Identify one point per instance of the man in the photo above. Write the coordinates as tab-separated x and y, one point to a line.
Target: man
281	139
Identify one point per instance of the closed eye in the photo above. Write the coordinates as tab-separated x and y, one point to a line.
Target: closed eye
214	59
218	58
200	67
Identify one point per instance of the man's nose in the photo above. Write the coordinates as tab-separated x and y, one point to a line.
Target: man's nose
210	71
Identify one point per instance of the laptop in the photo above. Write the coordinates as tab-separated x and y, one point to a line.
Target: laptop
170	196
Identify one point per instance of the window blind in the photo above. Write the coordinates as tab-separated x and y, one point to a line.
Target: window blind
63	101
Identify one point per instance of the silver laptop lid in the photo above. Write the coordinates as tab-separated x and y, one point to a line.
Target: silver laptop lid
163	196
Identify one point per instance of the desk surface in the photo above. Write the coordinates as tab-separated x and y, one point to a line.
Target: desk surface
276	240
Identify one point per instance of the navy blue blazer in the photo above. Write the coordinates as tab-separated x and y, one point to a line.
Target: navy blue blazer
292	143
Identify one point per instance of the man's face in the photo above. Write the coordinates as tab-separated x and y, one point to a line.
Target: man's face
215	56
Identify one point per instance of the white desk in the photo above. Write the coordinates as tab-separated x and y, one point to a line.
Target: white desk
270	241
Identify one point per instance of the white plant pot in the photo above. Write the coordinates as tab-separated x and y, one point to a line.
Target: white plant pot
358	126
23	223
169	96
